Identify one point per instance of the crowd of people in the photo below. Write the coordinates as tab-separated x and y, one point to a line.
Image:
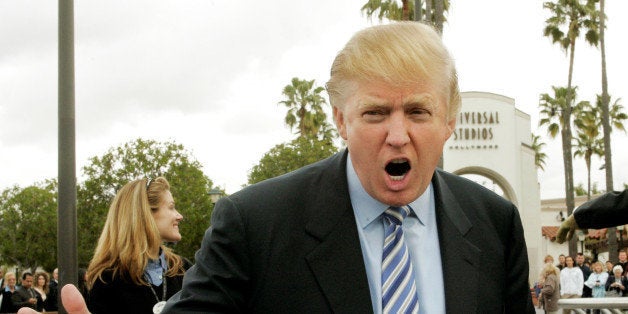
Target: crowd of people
580	278
38	291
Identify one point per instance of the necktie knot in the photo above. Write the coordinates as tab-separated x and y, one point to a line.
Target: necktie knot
396	215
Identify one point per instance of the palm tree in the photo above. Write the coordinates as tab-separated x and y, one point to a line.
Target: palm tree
408	11
588	140
305	108
539	155
606	127
572	15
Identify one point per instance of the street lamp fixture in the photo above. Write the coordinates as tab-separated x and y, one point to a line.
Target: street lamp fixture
581	237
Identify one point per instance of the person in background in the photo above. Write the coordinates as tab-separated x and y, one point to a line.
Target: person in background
561	262
616	285
82	282
571	281
53	287
586	272
607	210
26	296
550	293
597	281
41	286
539	284
6	304
609	268
623	261
132	271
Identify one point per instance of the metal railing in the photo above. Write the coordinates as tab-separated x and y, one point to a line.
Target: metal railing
606	305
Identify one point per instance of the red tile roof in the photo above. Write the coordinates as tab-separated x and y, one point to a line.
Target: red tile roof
551	231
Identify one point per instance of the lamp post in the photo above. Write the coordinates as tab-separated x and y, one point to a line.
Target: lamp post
581	237
621	236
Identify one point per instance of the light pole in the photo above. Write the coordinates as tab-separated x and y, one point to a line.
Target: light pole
581	237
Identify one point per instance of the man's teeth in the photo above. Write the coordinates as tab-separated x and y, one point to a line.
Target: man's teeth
397	178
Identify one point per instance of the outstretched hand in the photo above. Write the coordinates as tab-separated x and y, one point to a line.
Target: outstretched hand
567	229
72	299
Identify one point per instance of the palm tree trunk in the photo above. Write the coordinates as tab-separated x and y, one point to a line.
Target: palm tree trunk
428	11
566	137
417	10
608	163
438	15
587	159
405	10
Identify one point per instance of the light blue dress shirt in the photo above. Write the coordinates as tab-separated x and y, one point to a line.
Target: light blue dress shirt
155	269
421	236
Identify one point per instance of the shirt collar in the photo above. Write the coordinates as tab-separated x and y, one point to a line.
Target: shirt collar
367	209
159	262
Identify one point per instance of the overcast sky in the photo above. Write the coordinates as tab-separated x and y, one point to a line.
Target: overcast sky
209	74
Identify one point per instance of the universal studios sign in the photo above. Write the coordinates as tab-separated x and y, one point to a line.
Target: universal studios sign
475	130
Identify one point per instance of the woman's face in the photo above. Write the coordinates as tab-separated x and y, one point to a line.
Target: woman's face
41	281
617	273
569	261
11	280
167	219
598	268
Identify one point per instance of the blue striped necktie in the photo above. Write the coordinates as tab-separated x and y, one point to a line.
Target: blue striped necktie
399	293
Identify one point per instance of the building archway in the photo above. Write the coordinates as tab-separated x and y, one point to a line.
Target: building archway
499	180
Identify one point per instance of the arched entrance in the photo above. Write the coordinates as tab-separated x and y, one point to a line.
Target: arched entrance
493	139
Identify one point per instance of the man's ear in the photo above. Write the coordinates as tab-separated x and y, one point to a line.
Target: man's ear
339	118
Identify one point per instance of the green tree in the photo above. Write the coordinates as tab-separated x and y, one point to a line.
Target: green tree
305	108
29	226
284	158
569	18
588	140
552	114
105	175
539	155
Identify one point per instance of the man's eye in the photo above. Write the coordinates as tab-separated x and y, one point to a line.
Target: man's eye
372	113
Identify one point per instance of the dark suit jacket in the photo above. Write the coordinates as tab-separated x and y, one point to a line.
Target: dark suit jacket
607	210
21	296
290	245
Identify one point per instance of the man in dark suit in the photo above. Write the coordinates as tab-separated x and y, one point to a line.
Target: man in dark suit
318	240
53	295
26	296
303	242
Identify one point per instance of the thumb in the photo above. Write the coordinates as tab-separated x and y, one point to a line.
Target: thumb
73	301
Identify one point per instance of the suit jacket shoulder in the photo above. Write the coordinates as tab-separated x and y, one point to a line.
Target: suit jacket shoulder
483	248
293	236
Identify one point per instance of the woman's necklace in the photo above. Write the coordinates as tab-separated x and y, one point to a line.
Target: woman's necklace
159	306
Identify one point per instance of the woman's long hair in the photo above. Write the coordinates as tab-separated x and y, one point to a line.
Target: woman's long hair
130	237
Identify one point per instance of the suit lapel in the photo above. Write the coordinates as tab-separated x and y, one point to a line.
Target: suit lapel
460	258
337	261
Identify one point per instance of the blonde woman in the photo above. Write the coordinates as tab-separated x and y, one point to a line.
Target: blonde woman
550	292
6	305
132	271
597	280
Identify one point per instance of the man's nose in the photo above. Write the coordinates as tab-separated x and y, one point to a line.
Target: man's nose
397	130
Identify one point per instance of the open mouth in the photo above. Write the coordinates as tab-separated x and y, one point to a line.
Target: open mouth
397	169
